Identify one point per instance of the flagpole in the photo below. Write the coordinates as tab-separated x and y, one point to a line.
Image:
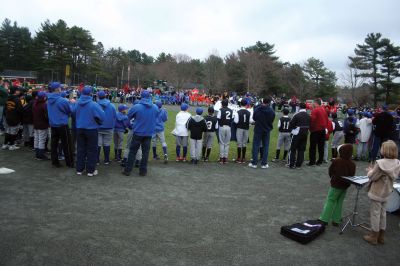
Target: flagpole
122	75
129	72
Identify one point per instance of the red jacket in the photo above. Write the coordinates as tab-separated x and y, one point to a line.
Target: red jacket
319	119
330	130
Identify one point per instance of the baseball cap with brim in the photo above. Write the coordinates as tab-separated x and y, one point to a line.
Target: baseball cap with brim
54	85
41	95
122	108
101	94
87	90
184	106
199	111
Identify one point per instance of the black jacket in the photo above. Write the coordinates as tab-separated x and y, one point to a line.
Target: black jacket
302	120
196	125
27	113
383	123
13	111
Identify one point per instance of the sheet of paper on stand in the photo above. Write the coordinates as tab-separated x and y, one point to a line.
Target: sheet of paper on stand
357	180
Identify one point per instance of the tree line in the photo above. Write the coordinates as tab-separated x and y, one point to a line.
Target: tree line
256	68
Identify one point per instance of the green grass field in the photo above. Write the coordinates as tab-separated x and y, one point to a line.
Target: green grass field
170	139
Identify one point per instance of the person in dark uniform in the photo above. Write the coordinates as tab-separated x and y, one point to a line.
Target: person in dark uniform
284	135
208	136
299	126
242	121
225	116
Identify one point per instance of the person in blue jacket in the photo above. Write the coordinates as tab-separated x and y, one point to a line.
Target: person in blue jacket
264	118
122	124
162	117
145	115
106	129
89	117
59	112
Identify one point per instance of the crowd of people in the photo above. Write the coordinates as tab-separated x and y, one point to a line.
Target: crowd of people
31	115
86	125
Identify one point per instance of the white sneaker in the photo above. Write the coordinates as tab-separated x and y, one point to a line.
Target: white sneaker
265	166
79	173
93	174
252	165
5	147
13	147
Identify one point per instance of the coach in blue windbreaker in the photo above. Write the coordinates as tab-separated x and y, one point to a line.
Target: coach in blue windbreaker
106	129
144	114
89	117
59	112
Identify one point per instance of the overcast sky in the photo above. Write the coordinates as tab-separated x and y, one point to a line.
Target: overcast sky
328	30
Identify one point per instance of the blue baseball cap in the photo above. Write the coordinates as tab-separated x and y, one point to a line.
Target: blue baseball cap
87	90
159	104
101	94
184	107
41	95
54	85
199	110
350	112
122	107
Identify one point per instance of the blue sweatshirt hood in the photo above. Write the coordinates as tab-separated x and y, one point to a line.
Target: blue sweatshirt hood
110	114
120	116
162	117
121	122
89	115
147	103
145	115
53	97
103	103
84	99
58	110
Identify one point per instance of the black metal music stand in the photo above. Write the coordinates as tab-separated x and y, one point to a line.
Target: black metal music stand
359	183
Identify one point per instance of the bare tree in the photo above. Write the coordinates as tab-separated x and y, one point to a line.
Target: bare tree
214	73
352	79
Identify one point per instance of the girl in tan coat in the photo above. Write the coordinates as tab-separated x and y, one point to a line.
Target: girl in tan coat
381	178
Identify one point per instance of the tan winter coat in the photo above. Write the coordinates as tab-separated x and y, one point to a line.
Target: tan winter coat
381	179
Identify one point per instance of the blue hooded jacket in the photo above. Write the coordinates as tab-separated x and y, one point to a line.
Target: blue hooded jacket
121	122
145	115
162	117
110	114
264	117
89	114
58	109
